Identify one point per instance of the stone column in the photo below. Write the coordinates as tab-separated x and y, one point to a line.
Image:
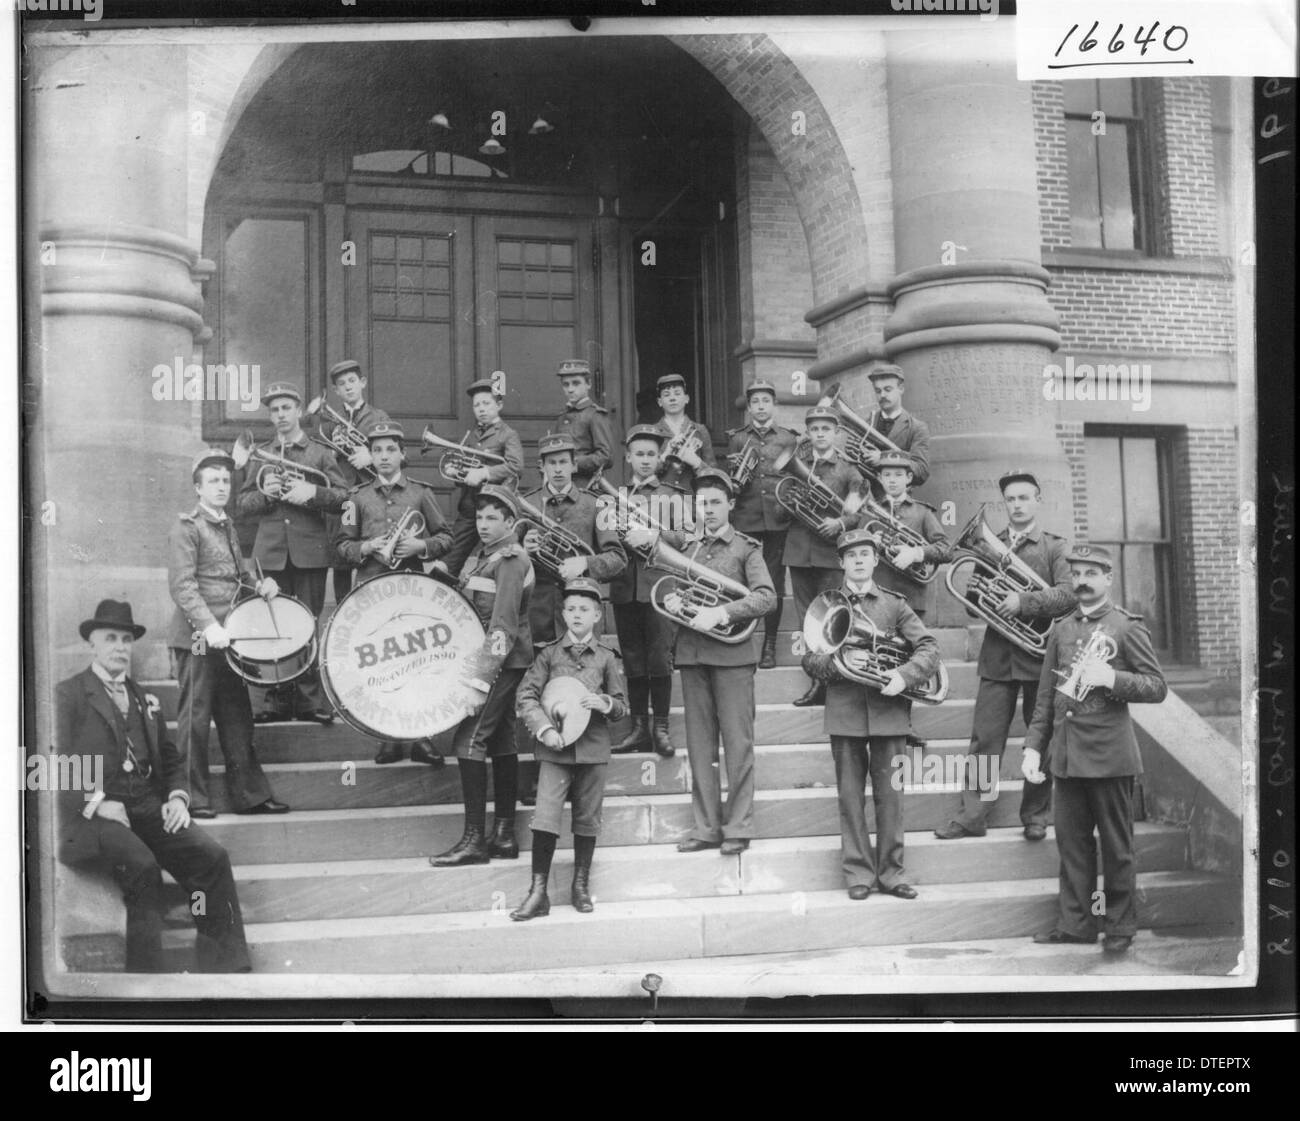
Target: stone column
971	327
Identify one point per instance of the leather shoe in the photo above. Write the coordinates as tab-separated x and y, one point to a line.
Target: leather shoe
203	813
320	716
1056	937
903	891
815	696
767	660
422	753
1117	943
955	829
389	753
859	891
268	717
694	844
270	806
1035	832
734	846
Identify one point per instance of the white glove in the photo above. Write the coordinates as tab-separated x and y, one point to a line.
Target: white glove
216	636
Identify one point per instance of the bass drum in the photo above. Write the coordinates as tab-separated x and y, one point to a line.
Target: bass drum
272	640
400	657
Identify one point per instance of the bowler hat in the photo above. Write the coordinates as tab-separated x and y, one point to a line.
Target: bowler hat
111	614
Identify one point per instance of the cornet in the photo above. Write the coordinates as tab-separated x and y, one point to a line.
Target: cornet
699	586
557	543
744	463
806	496
685	440
1098	650
277	466
861	434
411	523
345	438
458	460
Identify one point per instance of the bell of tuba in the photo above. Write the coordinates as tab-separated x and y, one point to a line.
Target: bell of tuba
1098	650
806	496
457	460
699	586
994	571
411	522
858	649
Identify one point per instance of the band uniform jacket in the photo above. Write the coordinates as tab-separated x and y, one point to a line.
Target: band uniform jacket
739	557
805	547
676	472
1002	660
497	580
588	424
918	516
579	513
854	709
365	416
204	566
666	504
377	508
88	724
497	438
912	435
596	666
1094	738
757	510
288	533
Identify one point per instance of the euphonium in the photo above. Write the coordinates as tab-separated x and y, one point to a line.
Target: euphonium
345	438
744	463
627	514
557	543
458	460
893	534
411	522
286	470
806	496
860	433
699	586
834	625
1098	650
996	571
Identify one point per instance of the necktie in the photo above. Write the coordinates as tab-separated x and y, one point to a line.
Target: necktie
117	690
1016	538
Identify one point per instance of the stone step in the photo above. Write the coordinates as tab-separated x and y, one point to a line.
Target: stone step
361	783
403	831
408	886
487	941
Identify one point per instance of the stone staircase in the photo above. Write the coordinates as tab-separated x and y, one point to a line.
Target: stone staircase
342	884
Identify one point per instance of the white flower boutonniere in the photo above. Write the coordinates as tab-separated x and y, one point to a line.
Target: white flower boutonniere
152	706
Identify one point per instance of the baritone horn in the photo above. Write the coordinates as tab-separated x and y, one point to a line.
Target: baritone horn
894	534
275	466
345	438
457	460
557	543
411	523
1098	650
860	651
806	496
861	434
995	571
700	587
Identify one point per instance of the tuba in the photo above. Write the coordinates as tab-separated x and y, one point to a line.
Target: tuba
1099	650
861	434
411	522
995	572
859	651
699	586
893	534
345	438
744	463
806	496
277	466
457	460
557	545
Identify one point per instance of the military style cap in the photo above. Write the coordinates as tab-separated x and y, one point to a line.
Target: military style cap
896	459
347	366
572	367
388	428
583	586
213	457
711	476
480	386
500	494
643	432
822	412
889	371
281	389
1016	475
554	442
1091	554
669	380
857	537
759	387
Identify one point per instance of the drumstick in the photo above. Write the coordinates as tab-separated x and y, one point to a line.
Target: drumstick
257	564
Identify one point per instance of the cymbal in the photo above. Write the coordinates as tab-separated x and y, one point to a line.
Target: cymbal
561	701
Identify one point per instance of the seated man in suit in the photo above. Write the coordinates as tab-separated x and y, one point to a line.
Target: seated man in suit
137	821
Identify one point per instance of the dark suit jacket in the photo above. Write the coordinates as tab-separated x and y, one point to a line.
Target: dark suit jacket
913	436
287	532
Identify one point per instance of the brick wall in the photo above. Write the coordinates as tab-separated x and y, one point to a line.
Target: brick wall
1070	436
1053	184
1206	503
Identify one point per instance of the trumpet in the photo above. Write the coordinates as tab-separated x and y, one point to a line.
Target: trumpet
860	652
557	543
806	496
744	463
457	460
345	438
894	534
861	434
995	572
1099	650
685	440
411	523
275	466
627	514
700	587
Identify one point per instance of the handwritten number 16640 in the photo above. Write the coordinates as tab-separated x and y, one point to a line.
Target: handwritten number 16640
1175	32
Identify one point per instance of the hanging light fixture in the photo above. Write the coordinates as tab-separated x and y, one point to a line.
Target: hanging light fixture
440	120
492	147
541	126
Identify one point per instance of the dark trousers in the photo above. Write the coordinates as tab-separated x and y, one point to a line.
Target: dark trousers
995	708
464	536
342	582
773	542
645	639
580	784
807	584
855	760
492	731
719	700
135	858
303	695
212	691
1106	806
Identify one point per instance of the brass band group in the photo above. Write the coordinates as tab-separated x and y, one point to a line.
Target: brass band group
692	553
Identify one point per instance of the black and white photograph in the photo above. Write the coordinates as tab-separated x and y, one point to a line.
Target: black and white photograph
681	509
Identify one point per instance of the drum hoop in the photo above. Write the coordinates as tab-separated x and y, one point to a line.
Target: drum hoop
306	652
